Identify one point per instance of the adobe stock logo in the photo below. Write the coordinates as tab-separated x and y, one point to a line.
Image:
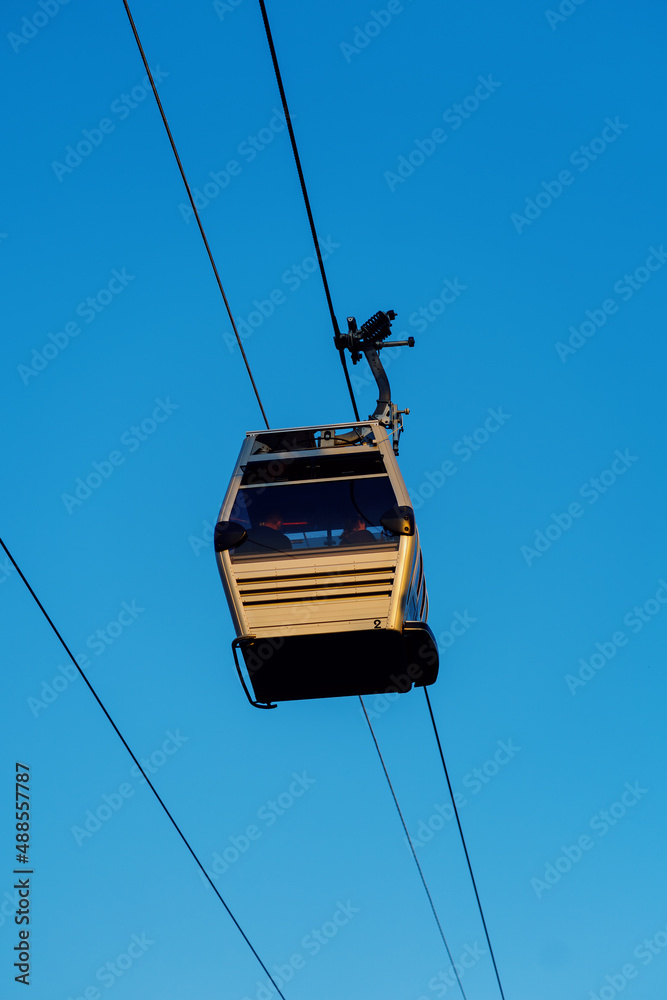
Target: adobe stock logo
454	116
98	642
644	952
221	7
566	8
108	973
112	802
635	620
312	943
292	279
238	844
625	288
132	439
601	824
363	36
92	138
445	979
6	569
30	26
581	158
474	781
88	310
249	148
591	491
465	448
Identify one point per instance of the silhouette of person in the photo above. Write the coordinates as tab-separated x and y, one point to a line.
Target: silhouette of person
267	537
355	532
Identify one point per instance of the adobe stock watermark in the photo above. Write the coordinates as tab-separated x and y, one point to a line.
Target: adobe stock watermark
581	158
32	24
625	288
635	620
223	7
364	34
402	683
6	568
204	540
601	823
445	980
292	279
98	642
454	117
419	319
474	781
8	906
261	477
249	149
109	973
464	448
268	814
645	952
92	138
131	440
591	490
565	10
312	943
112	802
88	310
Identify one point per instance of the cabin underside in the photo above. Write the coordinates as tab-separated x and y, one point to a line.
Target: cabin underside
340	664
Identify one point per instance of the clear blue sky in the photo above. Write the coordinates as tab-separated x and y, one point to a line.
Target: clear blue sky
496	174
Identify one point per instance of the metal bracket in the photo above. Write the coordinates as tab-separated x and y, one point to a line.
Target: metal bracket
369	340
238	643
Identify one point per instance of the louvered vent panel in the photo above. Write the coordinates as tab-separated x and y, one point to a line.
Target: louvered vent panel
308	596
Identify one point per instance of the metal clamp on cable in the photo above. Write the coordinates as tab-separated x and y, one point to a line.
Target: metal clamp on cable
369	340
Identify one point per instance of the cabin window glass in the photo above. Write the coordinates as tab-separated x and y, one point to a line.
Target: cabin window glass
296	517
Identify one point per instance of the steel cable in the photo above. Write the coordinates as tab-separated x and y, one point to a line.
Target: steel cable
141	769
194	207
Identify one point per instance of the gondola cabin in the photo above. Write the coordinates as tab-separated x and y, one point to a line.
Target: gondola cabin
320	561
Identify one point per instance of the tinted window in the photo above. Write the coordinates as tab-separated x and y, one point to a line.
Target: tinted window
313	515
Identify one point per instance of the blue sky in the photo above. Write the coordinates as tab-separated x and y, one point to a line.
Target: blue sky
495	174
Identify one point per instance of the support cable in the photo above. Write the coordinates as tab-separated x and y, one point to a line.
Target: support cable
304	192
463	841
414	854
192	203
145	776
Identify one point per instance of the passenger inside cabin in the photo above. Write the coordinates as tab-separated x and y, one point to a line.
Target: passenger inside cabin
355	532
267	537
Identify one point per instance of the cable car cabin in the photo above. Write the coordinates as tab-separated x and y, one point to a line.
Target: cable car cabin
320	561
